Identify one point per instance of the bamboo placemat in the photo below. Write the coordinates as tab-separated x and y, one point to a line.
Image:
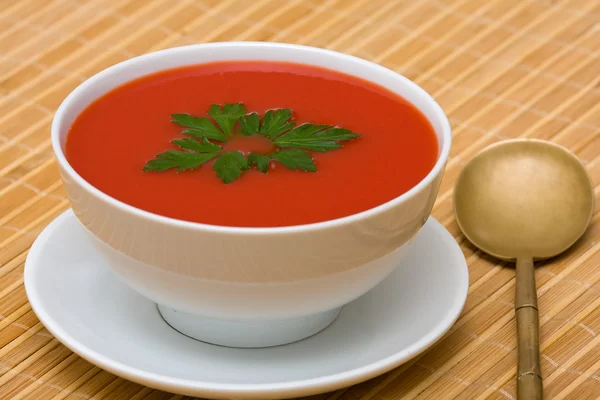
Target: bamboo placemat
501	69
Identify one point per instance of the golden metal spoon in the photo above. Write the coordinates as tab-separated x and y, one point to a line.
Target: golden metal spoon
524	200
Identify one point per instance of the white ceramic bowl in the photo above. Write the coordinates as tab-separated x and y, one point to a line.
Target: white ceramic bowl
249	287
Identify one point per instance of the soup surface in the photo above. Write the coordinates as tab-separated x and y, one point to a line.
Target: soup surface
112	139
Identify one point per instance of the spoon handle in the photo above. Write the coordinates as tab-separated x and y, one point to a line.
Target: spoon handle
529	374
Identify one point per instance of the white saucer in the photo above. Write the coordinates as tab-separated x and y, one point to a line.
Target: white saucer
88	309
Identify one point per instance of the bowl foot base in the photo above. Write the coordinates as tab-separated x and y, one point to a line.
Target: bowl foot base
247	333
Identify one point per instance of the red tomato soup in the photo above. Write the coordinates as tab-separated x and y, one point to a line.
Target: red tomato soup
113	138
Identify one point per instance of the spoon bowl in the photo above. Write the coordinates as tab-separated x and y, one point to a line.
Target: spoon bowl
524	200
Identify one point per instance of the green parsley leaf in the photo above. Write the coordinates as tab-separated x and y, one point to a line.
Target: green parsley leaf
295	159
250	124
336	134
201	147
182	160
276	122
320	138
261	162
276	125
230	166
198	127
227	116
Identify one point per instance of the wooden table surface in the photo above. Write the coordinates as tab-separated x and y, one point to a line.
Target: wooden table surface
500	69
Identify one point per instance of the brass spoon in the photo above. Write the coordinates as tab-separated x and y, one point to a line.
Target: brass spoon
524	200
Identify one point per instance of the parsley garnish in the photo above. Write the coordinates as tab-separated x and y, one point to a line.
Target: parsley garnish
227	116
292	141
275	122
230	165
314	137
261	161
198	127
295	159
202	152
250	124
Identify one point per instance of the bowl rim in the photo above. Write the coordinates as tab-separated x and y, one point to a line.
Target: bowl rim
337	222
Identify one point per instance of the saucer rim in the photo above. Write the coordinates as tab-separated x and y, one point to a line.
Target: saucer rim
203	388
